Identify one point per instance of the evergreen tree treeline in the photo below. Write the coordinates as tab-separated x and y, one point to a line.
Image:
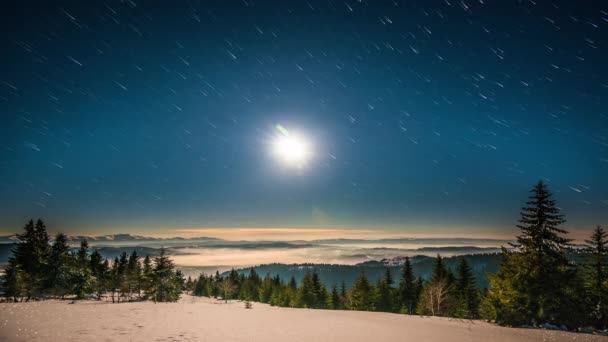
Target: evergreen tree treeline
41	268
540	279
460	300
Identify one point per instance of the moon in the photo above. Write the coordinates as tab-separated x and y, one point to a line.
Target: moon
291	148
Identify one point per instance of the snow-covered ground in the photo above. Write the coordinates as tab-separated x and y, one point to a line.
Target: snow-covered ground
204	319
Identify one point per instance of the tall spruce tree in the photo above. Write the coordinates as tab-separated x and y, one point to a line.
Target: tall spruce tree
408	293
597	276
335	300
134	275
320	292
82	256
388	277
166	286
306	296
82	280
13	281
535	283
441	271
31	255
467	296
383	296
59	269
361	296
99	268
147	276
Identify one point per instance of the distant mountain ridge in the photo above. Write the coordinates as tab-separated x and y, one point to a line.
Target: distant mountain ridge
413	240
123	237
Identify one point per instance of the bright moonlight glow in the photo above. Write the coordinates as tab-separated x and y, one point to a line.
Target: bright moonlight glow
292	149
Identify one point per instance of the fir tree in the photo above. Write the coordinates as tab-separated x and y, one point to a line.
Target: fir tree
361	295
388	277
292	283
100	269
597	276
82	279
59	270
147	276
121	276
335	301
319	291
82	256
535	283
467	295
134	275
440	271
306	292
165	286
265	290
114	279
13	281
31	255
383	296
408	296
189	284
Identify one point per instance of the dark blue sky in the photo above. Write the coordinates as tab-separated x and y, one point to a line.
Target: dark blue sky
426	117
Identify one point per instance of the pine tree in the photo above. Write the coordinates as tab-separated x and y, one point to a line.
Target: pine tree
81	279
292	283
147	276
440	271
13	281
408	297
361	295
121	276
466	293
82	255
536	282
31	255
165	286
189	284
383	296
114	279
181	280
306	292
59	269
134	275
597	276
319	291
265	289
100	269
388	277
335	302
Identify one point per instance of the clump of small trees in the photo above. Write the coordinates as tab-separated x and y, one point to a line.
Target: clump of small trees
44	268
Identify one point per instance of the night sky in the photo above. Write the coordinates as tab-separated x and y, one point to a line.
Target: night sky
424	117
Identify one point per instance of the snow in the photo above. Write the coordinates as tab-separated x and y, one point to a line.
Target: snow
204	319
